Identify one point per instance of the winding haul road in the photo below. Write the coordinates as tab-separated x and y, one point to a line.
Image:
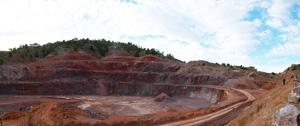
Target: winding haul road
202	119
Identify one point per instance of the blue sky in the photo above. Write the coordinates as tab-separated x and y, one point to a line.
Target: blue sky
260	33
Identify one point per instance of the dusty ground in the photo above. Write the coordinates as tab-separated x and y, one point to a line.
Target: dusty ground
92	107
110	110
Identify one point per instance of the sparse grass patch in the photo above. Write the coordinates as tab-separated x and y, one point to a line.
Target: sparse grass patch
294	68
30	121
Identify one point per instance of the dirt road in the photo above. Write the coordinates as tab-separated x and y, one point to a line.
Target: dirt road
201	120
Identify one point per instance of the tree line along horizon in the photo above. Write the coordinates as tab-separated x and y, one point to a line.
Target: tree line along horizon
97	48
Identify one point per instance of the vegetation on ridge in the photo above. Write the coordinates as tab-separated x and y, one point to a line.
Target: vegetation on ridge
97	48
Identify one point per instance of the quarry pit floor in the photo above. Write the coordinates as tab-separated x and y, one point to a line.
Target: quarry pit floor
108	105
65	110
104	110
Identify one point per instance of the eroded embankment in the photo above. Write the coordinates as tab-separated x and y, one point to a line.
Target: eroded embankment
77	73
79	66
117	89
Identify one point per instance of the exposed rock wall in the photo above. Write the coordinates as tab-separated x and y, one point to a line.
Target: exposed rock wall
116	89
80	74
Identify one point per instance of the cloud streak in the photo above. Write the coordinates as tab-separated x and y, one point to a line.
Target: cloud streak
213	30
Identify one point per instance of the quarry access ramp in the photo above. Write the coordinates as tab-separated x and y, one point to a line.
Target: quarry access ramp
201	120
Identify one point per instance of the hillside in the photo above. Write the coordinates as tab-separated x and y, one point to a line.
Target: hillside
261	112
96	48
109	83
120	89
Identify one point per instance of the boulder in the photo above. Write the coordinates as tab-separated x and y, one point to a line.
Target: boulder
286	116
252	74
162	97
294	76
293	98
296	83
296	90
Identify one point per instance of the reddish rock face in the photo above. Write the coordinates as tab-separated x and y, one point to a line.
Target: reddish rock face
116	74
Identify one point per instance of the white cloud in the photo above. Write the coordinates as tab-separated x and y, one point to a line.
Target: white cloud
280	8
210	30
188	21
287	49
272	68
274	22
264	33
279	17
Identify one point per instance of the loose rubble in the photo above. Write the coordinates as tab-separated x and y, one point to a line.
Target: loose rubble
162	97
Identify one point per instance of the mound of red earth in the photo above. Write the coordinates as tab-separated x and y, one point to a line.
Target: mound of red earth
80	55
150	58
162	97
241	83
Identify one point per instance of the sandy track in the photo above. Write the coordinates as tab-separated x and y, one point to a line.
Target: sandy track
201	120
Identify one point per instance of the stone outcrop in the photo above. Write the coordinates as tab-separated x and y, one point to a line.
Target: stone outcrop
296	83
162	98
294	96
286	116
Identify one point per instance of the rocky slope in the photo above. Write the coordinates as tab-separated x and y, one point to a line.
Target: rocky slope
120	74
116	74
261	112
78	73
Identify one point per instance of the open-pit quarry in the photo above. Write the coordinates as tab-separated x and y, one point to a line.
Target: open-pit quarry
76	88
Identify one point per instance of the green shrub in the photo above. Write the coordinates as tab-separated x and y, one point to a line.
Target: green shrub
92	48
9	54
294	68
30	121
170	56
75	48
137	54
36	54
1	61
224	64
